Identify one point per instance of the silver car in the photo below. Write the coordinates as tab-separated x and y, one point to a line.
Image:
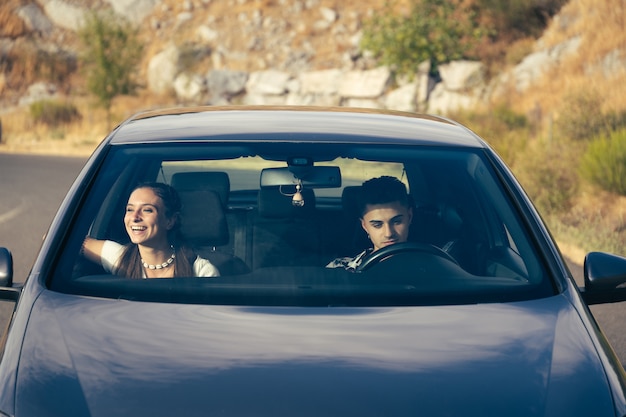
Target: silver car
475	314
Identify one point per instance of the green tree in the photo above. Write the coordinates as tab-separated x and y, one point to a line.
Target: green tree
437	31
112	53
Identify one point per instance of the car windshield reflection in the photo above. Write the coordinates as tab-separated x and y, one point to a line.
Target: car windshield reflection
277	224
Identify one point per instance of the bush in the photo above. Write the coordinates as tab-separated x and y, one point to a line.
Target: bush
112	54
53	113
590	232
604	162
548	172
615	121
581	118
505	130
437	31
27	63
496	121
515	19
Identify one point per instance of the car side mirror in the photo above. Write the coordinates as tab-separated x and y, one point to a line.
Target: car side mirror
605	278
7	291
6	268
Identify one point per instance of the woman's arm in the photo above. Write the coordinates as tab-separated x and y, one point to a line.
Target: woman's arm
92	249
103	252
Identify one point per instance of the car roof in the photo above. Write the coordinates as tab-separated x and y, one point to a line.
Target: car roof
289	124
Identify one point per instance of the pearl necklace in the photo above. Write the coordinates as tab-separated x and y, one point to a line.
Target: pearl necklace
165	264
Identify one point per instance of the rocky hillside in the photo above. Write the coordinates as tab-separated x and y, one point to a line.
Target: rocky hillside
38	42
245	35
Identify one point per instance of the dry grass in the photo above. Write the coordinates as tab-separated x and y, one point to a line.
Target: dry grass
597	222
601	26
22	135
596	219
11	26
78	138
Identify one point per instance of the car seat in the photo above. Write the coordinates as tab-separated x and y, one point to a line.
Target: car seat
217	181
204	224
285	235
353	238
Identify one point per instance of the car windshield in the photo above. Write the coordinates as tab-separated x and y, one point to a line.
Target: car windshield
273	217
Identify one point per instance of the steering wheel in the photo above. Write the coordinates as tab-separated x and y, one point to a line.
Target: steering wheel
381	254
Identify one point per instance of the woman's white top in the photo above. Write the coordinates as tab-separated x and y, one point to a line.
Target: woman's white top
112	253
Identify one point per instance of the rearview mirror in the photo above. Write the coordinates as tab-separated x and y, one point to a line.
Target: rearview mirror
310	177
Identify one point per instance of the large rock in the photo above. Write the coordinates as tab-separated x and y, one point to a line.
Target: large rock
206	34
37	92
538	63
264	100
162	70
325	82
425	85
612	64
462	75
225	83
64	15
403	98
35	19
189	87
324	100
365	84
270	82
367	103
133	10
444	101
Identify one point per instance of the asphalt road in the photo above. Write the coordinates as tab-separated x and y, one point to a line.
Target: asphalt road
32	188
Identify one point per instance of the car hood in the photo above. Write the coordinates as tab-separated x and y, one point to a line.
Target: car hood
95	357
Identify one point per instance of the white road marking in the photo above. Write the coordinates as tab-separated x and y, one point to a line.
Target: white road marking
4	217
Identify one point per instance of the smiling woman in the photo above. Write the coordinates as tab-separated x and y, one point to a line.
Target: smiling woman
156	248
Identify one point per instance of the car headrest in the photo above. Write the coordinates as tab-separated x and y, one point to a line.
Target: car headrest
450	218
350	201
203	220
275	205
216	181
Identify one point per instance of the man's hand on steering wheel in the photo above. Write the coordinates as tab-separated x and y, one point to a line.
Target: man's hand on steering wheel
380	255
